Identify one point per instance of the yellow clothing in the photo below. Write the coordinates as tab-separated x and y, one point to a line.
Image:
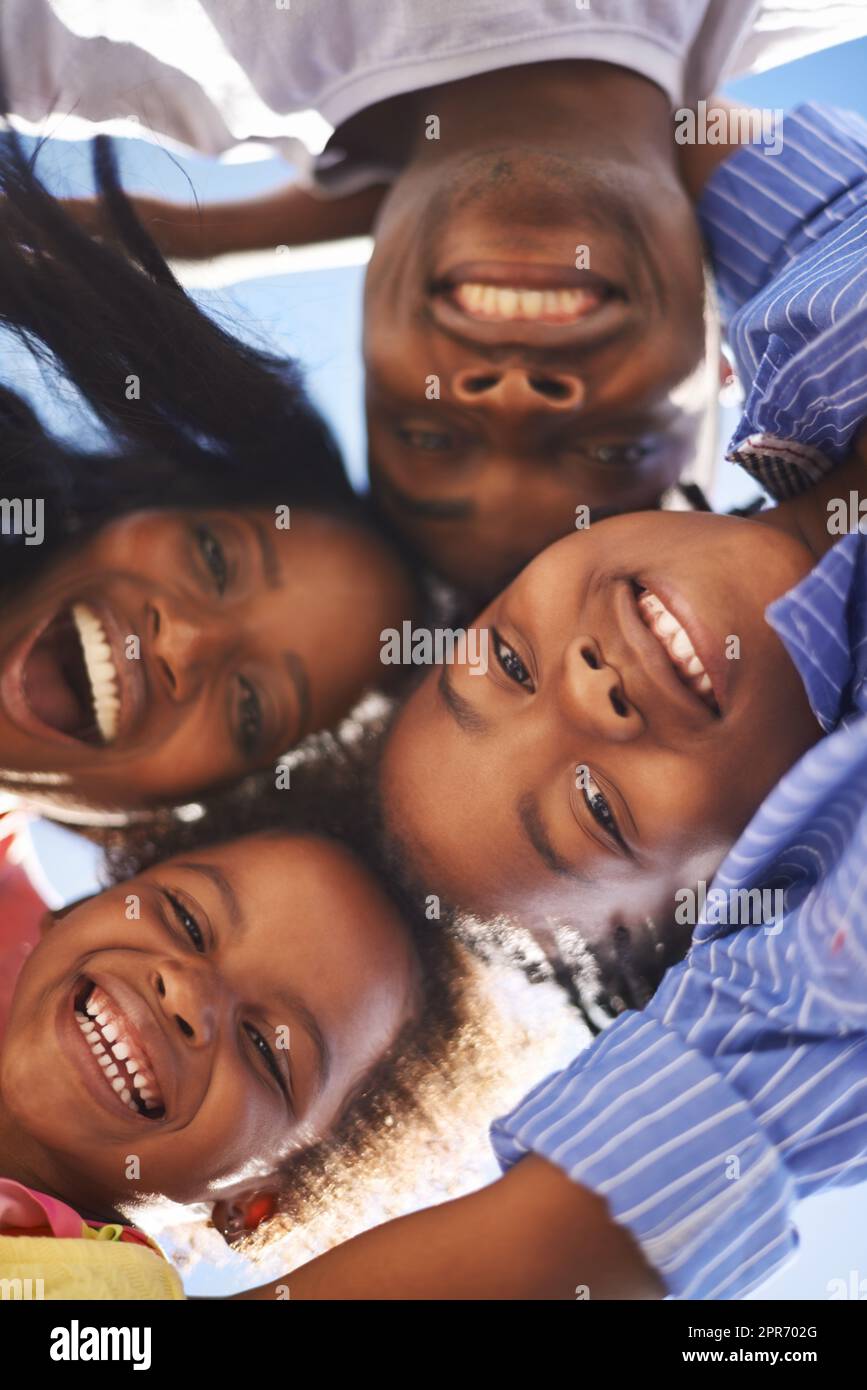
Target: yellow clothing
95	1267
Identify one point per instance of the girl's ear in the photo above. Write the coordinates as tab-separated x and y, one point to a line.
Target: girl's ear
238	1216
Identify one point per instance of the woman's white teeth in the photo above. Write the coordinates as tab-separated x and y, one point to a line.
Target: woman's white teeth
101	671
512	302
677	644
127	1072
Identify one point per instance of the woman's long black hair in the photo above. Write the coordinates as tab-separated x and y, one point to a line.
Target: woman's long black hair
211	421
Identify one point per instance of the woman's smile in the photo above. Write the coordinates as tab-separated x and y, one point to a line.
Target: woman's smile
71	678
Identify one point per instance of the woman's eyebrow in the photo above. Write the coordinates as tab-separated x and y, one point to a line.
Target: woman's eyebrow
460	709
535	830
267	554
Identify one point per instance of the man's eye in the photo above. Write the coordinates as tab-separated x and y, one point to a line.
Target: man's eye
186	920
618	455
429	441
250	719
510	662
214	557
599	808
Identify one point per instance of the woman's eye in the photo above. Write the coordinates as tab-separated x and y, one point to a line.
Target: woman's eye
510	662
187	921
250	719
599	807
214	557
429	441
264	1050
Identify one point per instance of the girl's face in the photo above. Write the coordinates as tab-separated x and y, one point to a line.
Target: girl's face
176	650
581	776
190	1027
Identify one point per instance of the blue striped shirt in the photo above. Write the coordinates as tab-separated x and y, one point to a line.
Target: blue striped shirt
742	1086
787	236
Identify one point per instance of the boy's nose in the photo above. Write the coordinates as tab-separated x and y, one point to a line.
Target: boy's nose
592	694
515	390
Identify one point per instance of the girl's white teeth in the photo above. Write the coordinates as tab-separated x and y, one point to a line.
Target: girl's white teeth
126	1073
675	640
101	671
512	302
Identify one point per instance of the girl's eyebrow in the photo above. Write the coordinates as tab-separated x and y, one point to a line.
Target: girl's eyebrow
223	887
460	709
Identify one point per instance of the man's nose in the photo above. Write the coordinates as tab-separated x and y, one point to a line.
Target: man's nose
187	998
185	648
517	390
592	694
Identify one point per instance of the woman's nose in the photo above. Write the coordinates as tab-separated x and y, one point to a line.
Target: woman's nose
185	649
186	997
592	694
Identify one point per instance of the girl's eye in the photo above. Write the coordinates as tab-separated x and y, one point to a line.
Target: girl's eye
250	719
429	441
214	557
599	808
187	921
262	1047
510	662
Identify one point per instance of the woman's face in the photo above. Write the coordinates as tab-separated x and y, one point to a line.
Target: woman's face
580	777
176	650
251	985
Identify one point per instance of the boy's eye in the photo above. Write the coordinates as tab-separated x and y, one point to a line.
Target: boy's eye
430	441
265	1052
510	662
599	808
619	455
214	557
187	921
250	719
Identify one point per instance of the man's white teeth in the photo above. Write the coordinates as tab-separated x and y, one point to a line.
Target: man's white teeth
101	672
513	303
125	1069
676	641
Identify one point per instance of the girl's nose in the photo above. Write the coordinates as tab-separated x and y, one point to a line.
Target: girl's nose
592	694
186	998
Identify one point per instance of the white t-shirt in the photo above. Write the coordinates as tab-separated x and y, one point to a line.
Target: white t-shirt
211	73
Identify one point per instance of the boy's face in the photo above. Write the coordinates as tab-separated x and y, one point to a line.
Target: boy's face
580	776
507	385
179	649
258	982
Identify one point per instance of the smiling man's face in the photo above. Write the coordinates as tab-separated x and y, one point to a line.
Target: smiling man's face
249	1022
612	753
555	383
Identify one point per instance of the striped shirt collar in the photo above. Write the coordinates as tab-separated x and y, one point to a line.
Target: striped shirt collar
823	625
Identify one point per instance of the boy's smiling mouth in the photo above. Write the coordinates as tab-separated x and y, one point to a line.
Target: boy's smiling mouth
117	1052
677	644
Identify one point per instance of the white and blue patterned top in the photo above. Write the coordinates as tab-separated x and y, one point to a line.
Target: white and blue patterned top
787	236
742	1086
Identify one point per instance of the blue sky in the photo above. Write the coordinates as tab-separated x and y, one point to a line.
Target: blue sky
317	315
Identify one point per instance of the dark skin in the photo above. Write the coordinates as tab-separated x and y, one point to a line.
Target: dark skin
250	637
533	417
227	954
479	779
536	1234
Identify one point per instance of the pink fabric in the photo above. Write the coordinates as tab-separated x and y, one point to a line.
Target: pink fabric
22	1208
21	911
